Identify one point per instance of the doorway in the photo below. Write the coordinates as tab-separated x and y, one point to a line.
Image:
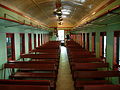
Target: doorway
61	36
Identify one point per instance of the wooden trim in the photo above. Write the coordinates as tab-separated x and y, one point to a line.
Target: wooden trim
105	5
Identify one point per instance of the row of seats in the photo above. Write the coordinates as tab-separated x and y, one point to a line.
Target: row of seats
37	73
89	72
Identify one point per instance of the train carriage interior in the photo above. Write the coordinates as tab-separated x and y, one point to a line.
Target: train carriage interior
60	44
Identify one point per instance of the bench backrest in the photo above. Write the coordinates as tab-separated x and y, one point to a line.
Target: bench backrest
24	87
26	82
102	87
31	66
96	74
47	50
87	59
81	66
36	62
39	56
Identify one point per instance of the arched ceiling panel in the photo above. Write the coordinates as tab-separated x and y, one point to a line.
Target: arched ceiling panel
42	10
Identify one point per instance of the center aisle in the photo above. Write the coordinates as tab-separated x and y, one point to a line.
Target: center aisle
64	80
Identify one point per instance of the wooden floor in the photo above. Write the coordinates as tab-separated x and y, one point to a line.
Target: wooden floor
64	81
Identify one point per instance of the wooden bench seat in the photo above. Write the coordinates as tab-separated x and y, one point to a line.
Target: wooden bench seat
86	60
50	83
52	46
82	83
95	74
37	62
27	75
40	56
54	51
102	87
24	87
88	66
81	56
57	60
51	62
34	66
42	68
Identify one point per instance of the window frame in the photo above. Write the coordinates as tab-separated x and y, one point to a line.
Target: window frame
29	41
102	53
34	40
38	40
12	46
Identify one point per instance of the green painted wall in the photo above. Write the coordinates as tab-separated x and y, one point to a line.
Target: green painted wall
17	45
109	29
97	44
16	30
3	52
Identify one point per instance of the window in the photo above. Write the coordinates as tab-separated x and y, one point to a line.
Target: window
80	39
93	42
22	43
87	42
117	48
116	60
30	41
83	40
61	35
41	39
103	44
38	40
34	40
10	46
